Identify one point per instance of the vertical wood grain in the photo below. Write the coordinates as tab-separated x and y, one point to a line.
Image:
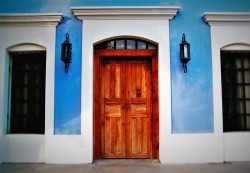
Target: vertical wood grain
139	122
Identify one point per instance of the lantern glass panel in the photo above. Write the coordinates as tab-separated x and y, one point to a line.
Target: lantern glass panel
66	51
185	51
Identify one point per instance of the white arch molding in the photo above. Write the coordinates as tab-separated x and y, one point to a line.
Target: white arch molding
126	37
26	47
237	46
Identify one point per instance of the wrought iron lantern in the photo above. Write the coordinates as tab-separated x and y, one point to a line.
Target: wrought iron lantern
66	53
184	53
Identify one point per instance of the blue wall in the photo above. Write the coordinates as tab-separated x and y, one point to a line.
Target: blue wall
192	101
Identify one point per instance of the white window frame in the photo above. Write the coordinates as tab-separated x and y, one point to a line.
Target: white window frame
22	48
229	31
26	32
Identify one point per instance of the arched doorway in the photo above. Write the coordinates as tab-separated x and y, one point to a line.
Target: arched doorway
126	118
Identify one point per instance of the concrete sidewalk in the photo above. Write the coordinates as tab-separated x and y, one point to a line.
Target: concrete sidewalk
127	166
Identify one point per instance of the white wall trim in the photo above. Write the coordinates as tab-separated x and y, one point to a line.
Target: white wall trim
226	34
32	19
28	36
125	26
132	12
173	148
115	28
21	148
226	18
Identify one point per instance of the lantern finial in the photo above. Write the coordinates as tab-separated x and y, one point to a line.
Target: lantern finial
67	37
183	38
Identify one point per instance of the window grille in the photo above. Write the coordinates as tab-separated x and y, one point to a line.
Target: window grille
27	92
125	44
235	74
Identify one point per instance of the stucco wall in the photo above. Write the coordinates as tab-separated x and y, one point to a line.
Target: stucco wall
188	115
190	127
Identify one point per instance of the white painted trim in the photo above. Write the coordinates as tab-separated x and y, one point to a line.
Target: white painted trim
228	36
117	22
125	13
173	148
237	146
20	148
32	19
26	38
67	149
224	18
193	148
132	28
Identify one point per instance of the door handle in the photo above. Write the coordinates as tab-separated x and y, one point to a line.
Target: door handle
128	106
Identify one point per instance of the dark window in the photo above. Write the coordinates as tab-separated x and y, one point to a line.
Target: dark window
124	44
27	84
235	70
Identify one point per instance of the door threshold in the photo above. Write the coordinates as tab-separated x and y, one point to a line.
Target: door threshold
125	161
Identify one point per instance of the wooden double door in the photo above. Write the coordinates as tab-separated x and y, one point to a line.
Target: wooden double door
126	104
125	108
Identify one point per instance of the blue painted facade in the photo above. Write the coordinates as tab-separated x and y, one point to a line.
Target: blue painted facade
192	100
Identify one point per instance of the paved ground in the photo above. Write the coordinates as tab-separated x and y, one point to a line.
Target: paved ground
127	166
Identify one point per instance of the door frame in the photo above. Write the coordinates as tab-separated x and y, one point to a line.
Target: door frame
96	95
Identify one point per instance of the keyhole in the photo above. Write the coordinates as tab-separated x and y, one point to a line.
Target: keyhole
138	93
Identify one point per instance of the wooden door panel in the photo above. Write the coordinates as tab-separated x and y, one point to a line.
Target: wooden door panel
114	147
112	80
125	106
113	130
140	140
137	106
139	115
